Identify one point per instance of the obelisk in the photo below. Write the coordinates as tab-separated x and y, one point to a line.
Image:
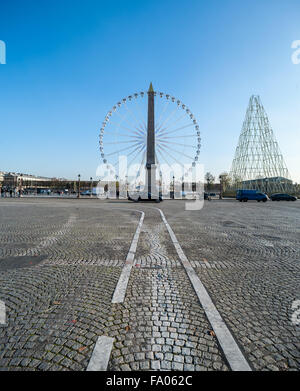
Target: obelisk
150	164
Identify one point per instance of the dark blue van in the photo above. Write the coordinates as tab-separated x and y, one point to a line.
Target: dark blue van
245	195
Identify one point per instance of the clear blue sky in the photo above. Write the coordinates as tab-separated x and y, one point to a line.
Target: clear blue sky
68	62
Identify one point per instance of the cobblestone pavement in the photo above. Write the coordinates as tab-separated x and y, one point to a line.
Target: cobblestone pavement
248	258
59	265
60	261
167	328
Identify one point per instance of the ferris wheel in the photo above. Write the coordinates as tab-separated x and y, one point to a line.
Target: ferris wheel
124	133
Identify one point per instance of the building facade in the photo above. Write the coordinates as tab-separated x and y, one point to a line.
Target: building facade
12	180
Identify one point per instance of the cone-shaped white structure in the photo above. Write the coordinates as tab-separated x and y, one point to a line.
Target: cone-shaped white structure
258	162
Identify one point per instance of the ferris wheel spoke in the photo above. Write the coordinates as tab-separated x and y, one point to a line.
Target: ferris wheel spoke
172	137
133	116
164	151
163	133
166	120
139	137
128	122
166	128
163	157
138	152
170	116
124	142
124	149
163	111
140	132
143	115
166	143
117	124
156	159
179	152
123	119
143	159
139	148
174	122
115	164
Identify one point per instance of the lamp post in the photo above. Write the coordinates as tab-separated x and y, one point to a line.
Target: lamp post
160	183
17	189
126	185
173	187
91	179
78	195
21	185
221	178
267	180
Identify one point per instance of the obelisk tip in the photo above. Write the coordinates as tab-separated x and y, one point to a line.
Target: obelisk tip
151	88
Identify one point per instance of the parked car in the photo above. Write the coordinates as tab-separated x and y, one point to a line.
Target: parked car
88	192
144	196
245	195
282	197
211	196
214	196
191	195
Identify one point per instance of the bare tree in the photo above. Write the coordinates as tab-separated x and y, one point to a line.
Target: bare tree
209	180
224	182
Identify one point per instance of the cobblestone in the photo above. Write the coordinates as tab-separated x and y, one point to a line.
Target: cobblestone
249	263
60	262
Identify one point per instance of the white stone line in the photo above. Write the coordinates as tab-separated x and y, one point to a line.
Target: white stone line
101	354
50	239
232	352
120	291
2	314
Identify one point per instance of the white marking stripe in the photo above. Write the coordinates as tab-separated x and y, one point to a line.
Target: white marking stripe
101	354
234	356
120	291
2	314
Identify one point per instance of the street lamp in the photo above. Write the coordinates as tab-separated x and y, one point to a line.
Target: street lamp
221	177
17	189
173	187
266	180
160	183
21	185
78	195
